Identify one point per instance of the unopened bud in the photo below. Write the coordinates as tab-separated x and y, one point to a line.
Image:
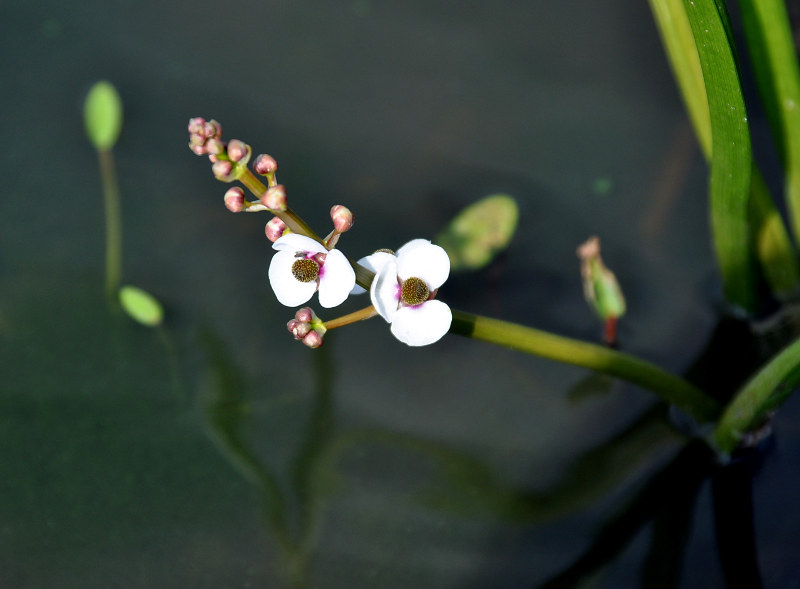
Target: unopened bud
234	199
342	218
239	151
215	146
196	125
275	198
313	339
265	164
275	229
600	286
305	314
223	170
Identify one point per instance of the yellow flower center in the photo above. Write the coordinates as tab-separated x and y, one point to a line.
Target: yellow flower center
414	291
305	270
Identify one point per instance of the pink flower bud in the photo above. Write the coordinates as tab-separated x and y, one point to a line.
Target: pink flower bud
212	129
304	315
198	149
275	229
237	150
265	164
196	125
222	170
215	146
234	199
342	218
275	198
313	339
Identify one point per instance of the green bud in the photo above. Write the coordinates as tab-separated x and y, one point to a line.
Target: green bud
479	232
102	114
141	306
600	286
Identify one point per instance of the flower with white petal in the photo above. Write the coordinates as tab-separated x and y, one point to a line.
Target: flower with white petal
404	288
303	266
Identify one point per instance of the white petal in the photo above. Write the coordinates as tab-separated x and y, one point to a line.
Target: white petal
298	243
422	259
385	292
336	279
290	291
373	262
423	324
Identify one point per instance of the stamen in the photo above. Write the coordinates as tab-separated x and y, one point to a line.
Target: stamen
305	270
414	291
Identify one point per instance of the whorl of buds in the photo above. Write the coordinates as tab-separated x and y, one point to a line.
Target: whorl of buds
275	198
204	136
342	218
306	326
275	229
234	199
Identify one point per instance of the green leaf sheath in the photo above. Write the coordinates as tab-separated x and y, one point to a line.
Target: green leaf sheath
669	387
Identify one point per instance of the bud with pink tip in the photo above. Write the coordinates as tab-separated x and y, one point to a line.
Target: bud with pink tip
223	170
275	198
342	218
265	164
239	151
275	229
234	199
305	314
313	339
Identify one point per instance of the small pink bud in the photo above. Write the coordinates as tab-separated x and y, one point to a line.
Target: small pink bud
234	199
196	125
304	315
222	170
215	146
275	198
342	218
275	229
212	129
313	339
265	164
237	150
292	325
198	148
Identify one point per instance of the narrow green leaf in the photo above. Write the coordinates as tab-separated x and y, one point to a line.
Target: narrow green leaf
141	306
102	113
479	232
774	58
773	247
731	156
676	34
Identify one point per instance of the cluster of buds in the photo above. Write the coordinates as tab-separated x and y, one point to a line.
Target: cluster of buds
307	327
205	138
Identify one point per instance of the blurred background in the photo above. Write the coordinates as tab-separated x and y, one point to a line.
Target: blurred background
217	452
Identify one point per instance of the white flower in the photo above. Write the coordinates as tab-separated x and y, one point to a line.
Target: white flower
403	290
302	266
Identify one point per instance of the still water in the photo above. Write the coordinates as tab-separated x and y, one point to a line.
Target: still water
215	451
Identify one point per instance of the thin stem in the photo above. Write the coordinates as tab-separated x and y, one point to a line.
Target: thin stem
111	199
669	387
353	317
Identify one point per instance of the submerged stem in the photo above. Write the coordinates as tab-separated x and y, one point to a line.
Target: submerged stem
668	386
111	199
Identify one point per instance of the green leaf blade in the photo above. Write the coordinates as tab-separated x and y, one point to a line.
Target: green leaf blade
141	306
102	113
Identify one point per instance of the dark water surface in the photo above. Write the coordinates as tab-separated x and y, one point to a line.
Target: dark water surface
216	452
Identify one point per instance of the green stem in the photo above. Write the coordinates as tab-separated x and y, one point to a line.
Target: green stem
111	198
669	387
762	393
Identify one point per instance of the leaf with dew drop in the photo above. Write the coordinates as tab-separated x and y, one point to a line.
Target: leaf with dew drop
479	232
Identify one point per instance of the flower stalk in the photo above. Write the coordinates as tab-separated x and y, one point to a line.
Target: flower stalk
666	385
